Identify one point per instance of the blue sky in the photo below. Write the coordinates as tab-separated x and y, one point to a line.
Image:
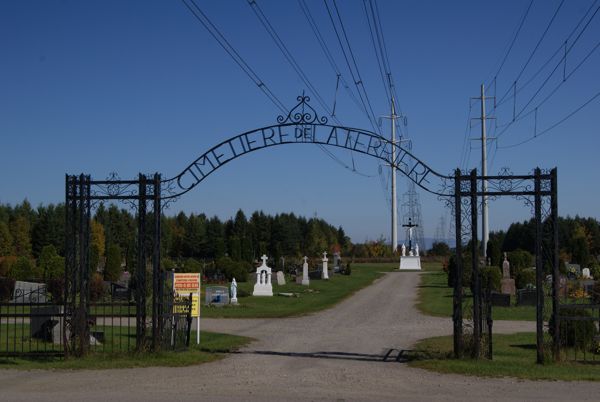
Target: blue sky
140	86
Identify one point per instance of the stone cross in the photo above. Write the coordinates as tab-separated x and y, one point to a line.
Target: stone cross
325	255
264	259
325	274
305	259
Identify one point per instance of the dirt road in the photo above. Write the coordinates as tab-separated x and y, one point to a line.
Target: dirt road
324	356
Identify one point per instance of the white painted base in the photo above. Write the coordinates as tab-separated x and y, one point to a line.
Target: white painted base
305	282
234	300
410	263
262	290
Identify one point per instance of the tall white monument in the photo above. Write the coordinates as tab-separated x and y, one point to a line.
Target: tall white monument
325	273
412	261
305	280
263	286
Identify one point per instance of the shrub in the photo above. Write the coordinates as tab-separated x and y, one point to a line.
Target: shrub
96	287
112	270
575	333
466	274
596	292
56	287
525	277
7	288
595	271
492	274
24	269
234	269
519	259
191	265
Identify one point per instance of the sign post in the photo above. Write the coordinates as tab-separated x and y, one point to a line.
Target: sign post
184	284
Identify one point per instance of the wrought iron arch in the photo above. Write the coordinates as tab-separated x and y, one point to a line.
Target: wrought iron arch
303	125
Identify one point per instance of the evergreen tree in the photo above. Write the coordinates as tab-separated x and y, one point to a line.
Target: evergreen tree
114	258
6	240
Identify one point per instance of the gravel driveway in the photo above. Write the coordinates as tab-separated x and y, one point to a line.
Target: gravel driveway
329	355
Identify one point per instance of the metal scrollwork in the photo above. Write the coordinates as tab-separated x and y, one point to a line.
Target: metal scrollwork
302	113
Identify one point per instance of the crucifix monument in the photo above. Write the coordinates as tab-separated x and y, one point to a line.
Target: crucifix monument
411	261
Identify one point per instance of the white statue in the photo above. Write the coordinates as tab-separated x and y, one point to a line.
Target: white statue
403	250
505	268
417	250
233	291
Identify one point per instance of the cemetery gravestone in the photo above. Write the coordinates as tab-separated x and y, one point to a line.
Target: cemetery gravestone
325	273
585	273
526	297
263	286
280	278
29	292
507	284
216	295
305	280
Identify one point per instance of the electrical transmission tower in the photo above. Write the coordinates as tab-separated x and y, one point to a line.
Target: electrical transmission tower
411	209
441	233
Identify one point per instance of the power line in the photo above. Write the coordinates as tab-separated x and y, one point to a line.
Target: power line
230	50
517	116
323	44
590	100
364	97
504	98
514	39
287	54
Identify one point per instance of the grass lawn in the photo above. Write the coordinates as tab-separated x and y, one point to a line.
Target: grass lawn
435	298
212	347
318	296
514	356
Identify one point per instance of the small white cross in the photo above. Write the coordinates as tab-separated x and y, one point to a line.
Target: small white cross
264	259
324	254
305	259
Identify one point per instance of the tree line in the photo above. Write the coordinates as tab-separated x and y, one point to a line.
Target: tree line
32	240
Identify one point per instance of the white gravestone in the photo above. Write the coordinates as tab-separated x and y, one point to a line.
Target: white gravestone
280	278
234	292
585	273
263	286
305	280
325	273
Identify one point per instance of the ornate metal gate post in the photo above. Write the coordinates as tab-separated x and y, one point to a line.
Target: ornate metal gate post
539	267
70	288
140	274
475	280
555	263
156	289
83	330
76	336
458	290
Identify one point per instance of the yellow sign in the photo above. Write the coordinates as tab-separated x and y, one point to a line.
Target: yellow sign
186	283
182	310
183	285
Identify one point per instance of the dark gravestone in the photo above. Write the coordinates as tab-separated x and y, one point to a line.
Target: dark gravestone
526	297
42	321
314	274
120	293
500	299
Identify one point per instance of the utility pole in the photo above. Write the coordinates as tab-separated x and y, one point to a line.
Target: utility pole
485	232
393	118
394	198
